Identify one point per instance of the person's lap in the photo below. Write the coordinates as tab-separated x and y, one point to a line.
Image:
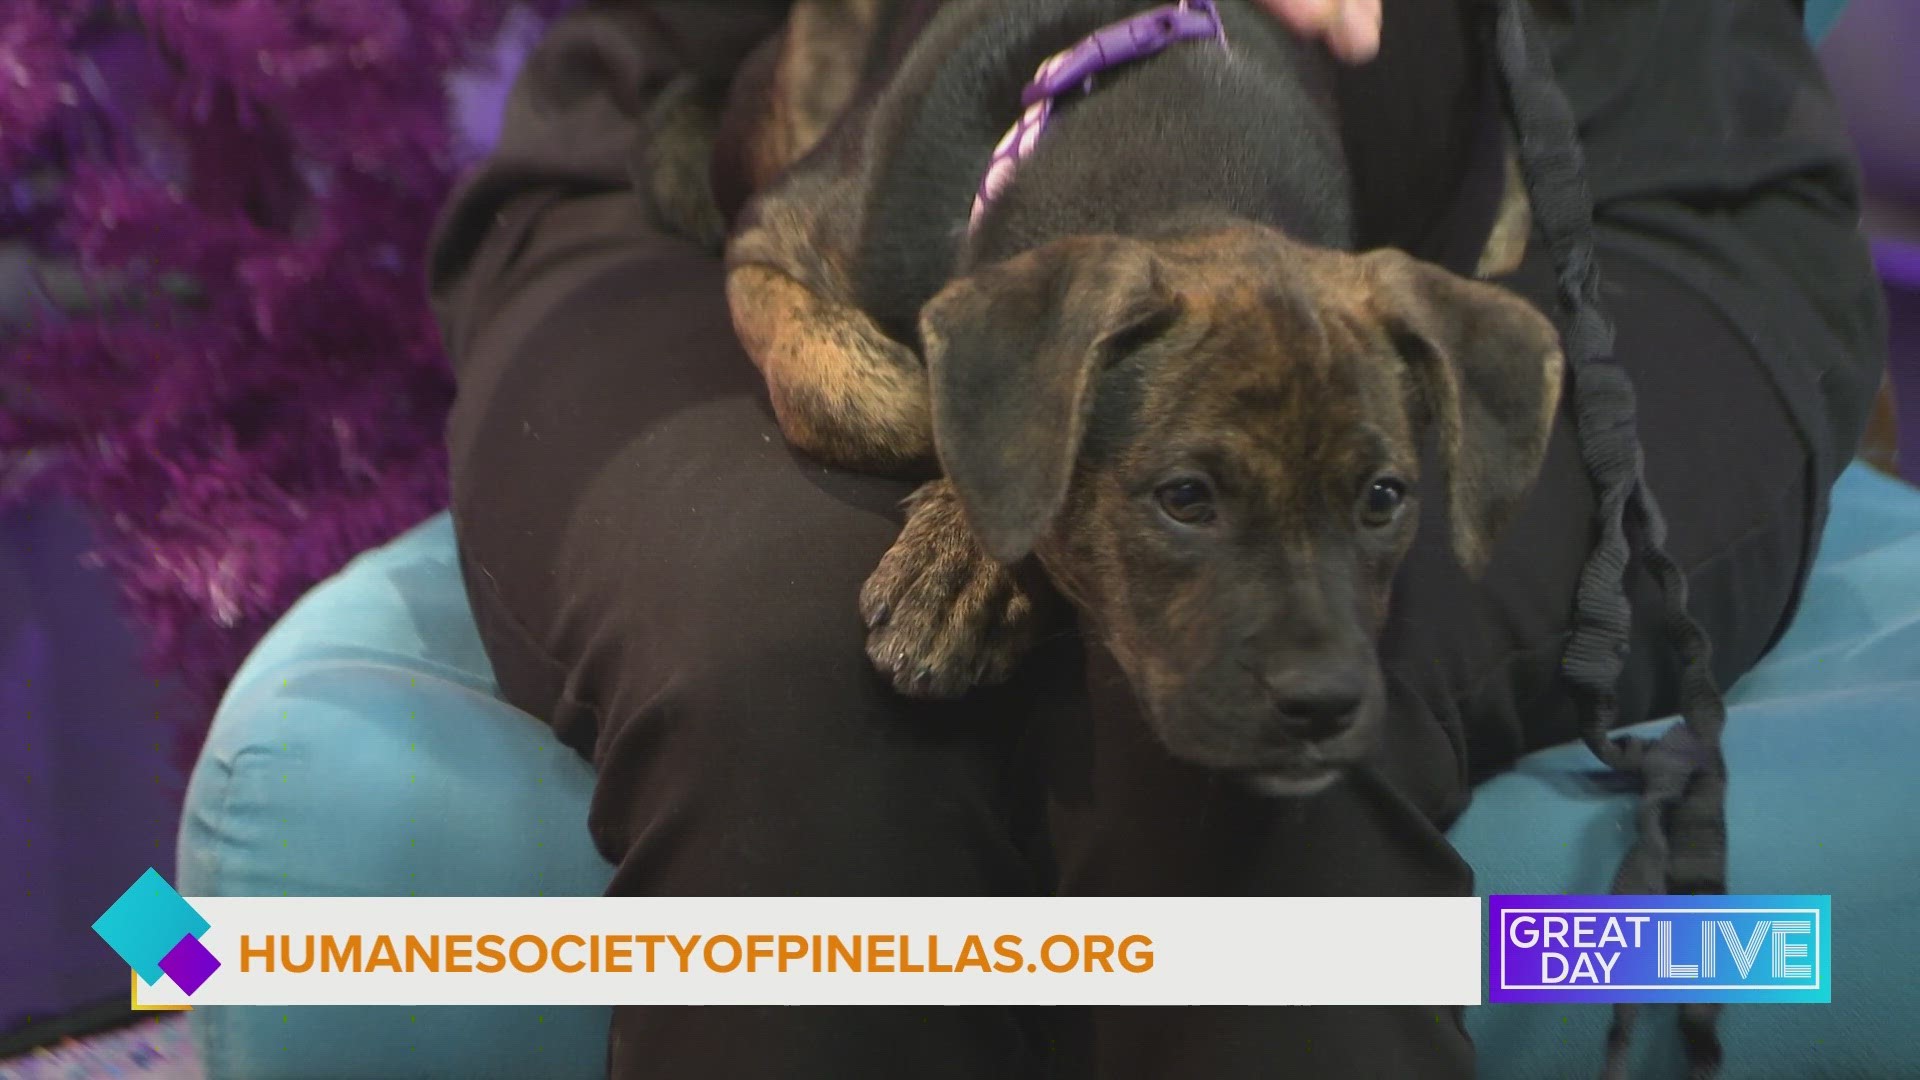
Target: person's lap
657	575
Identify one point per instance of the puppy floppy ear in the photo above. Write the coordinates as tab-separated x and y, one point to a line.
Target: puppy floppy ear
1486	368
1013	353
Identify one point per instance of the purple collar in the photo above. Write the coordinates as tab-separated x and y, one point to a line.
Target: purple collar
1127	40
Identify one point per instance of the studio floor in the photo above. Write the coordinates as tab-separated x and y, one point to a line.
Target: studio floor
154	1049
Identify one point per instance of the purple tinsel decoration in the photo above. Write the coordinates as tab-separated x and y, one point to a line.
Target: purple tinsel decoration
248	387
34	72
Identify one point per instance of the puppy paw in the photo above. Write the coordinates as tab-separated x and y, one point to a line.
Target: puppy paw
942	617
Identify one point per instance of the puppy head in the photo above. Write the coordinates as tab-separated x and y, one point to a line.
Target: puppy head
1211	441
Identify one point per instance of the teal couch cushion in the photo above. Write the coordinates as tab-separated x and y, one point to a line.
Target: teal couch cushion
363	751
1821	15
1821	743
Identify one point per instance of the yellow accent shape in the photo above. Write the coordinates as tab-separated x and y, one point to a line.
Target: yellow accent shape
137	1007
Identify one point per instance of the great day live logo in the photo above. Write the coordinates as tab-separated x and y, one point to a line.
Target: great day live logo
1660	948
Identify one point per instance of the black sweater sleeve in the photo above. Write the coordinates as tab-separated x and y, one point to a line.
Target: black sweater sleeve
575	125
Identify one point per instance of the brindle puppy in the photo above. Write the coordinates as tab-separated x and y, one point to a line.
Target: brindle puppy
1155	368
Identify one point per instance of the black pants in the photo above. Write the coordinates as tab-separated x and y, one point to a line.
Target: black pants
668	585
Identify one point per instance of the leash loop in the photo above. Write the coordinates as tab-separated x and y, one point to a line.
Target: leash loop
1681	841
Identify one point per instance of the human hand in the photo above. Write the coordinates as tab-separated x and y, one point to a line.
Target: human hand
1351	28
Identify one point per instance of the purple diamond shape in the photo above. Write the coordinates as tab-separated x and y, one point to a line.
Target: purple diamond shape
189	964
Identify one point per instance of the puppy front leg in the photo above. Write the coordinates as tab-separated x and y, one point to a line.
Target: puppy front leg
942	616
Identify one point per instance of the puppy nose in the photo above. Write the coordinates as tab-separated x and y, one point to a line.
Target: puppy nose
1319	705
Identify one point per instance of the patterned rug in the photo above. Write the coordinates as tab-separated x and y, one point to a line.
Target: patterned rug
157	1050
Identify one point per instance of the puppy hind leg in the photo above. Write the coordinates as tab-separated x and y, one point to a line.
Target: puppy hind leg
1507	242
844	391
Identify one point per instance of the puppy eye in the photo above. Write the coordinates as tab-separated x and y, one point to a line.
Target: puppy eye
1188	500
1383	501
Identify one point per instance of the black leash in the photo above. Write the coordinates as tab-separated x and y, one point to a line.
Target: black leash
1681	846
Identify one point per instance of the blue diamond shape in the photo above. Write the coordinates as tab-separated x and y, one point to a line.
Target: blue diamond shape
146	923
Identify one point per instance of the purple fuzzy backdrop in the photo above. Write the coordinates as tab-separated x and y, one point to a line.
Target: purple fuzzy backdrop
222	350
